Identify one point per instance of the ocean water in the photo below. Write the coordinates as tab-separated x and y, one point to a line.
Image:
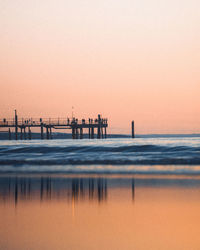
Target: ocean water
156	155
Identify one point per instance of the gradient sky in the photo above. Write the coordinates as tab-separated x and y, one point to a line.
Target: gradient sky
130	59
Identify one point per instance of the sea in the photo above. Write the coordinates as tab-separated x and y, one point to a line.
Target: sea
162	154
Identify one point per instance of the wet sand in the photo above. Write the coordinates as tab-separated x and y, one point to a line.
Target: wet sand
99	212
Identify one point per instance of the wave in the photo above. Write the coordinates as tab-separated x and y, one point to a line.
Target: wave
106	169
171	161
68	149
101	155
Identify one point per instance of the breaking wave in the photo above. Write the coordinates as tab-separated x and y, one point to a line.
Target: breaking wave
124	153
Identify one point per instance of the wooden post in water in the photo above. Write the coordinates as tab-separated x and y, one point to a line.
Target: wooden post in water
77	133
89	130
29	133
24	133
47	132
9	134
21	134
99	127
102	132
73	132
50	133
16	125
42	129
81	133
133	129
92	133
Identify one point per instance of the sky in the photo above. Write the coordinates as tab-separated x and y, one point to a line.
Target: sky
127	60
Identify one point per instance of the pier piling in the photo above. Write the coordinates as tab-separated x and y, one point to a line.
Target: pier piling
81	133
73	132
99	127
101	132
50	133
89	132
42	131
21	134
77	133
16	125
9	134
133	129
29	133
24	133
47	133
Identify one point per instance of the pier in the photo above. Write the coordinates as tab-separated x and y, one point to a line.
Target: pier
22	128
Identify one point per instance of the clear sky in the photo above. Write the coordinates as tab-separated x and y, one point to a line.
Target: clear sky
130	59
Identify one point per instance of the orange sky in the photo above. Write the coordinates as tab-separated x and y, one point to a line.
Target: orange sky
131	59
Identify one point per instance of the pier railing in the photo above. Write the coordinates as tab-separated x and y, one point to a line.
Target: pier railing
49	121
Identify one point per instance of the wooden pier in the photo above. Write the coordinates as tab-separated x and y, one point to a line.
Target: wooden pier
22	127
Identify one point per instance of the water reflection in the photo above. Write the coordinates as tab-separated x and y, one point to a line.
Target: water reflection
133	189
78	189
47	188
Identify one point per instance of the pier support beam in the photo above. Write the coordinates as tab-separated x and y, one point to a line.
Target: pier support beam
99	127
50	133
9	134
21	134
73	132
99	132
47	133
92	133
16	125
81	133
102	132
24	133
133	129
77	133
42	131
29	133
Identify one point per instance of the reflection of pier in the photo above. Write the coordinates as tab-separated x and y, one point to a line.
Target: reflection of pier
94	189
46	188
80	189
133	189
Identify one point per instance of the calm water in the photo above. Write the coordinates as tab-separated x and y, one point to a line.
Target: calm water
107	194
